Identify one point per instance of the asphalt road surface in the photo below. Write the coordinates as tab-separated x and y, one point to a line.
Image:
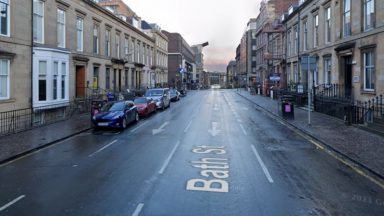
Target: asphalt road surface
211	153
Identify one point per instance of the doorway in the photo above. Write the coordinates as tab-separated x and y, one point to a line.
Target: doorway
80	81
347	67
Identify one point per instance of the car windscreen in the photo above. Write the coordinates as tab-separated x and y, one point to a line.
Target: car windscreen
173	92
119	106
150	93
140	101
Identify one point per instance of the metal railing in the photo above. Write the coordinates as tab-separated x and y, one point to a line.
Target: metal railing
24	119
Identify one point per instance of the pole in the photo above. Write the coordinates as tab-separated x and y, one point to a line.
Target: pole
309	94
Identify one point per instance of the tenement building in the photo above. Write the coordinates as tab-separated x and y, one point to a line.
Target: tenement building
15	55
81	48
342	39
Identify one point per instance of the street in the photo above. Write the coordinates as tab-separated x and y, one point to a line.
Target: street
211	153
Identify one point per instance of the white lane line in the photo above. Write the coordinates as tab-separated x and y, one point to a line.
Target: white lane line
239	120
106	146
189	125
11	203
243	129
266	172
138	209
135	129
169	158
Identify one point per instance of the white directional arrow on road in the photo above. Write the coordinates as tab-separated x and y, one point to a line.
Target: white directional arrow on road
214	131
160	129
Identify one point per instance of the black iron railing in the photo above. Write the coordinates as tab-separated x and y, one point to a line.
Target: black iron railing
23	119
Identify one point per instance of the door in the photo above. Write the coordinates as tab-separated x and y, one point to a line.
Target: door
119	81
348	76
80	81
114	80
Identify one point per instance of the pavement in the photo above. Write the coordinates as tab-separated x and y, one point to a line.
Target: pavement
363	149
19	144
358	147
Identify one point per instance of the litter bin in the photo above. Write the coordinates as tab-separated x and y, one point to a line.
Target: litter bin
287	107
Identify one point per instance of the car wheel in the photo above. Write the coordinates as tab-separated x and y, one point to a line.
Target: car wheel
124	124
163	107
137	117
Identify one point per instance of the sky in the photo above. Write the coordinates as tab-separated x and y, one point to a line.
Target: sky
220	22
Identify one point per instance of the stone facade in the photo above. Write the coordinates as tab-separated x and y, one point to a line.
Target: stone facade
101	53
347	53
16	56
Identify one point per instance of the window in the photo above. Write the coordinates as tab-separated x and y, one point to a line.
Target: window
4	17
95	83
295	43
107	78
4	78
328	25
79	30
305	45
117	40
107	42
63	79
295	73
289	43
126	46
369	12
60	28
96	39
327	71
316	31
369	71
54	84
346	18
38	21
42	80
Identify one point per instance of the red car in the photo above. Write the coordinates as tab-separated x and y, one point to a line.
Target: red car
145	106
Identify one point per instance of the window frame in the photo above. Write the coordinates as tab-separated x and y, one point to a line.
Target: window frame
344	18
305	36
63	25
8	77
316	30
42	21
367	67
365	15
107	42
328	25
80	47
8	34
96	29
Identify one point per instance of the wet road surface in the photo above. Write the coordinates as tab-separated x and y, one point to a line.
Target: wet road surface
211	153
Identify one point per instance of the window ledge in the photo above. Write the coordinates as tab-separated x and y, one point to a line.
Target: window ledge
9	100
368	92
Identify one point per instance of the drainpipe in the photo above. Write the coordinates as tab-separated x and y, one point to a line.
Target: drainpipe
32	8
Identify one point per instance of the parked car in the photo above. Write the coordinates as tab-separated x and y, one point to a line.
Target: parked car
183	92
145	106
161	96
116	114
175	95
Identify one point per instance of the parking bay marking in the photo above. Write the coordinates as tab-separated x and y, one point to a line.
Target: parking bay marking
161	171
106	146
265	170
138	209
189	125
136	128
11	203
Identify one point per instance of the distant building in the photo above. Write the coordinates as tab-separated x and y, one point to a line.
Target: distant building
159	68
122	10
181	61
231	74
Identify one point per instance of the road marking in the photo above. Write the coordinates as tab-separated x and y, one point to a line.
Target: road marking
160	129
11	203
214	131
135	129
239	120
161	171
266	172
244	131
189	125
106	146
138	209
